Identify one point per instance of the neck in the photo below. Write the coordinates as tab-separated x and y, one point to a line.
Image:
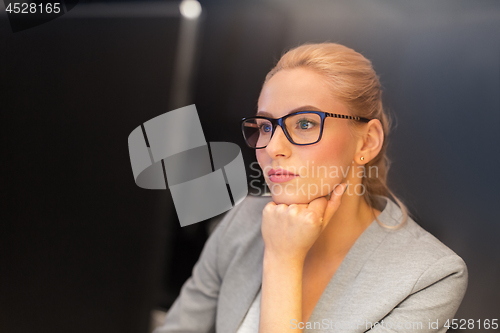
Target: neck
350	220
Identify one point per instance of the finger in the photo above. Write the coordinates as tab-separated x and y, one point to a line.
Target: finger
271	204
269	207
334	202
318	206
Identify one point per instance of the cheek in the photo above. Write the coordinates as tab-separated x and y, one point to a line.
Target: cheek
335	152
258	154
261	158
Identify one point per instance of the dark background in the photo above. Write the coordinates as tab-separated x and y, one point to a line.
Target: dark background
83	249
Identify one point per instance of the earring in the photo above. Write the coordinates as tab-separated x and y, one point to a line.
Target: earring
362	158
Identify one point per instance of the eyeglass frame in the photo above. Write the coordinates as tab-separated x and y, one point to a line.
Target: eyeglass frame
275	122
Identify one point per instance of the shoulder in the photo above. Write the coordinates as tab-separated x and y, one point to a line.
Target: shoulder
244	217
429	256
412	254
239	232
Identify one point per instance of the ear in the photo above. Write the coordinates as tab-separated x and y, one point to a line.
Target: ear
370	142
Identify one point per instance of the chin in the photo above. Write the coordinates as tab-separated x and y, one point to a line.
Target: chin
282	194
288	199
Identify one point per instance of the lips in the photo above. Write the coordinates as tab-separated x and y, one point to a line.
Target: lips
280	175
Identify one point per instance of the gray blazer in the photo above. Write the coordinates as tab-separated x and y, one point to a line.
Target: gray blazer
402	280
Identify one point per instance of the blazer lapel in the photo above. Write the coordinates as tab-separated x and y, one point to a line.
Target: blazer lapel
335	298
246	284
243	278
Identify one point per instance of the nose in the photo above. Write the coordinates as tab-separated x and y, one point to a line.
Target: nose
279	146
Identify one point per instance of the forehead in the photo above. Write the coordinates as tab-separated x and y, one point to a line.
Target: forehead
295	89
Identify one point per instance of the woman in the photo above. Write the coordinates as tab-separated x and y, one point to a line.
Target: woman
330	251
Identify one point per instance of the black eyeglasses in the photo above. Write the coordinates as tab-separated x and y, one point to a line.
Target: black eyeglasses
301	128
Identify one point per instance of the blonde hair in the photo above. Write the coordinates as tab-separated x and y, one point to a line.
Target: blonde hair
353	82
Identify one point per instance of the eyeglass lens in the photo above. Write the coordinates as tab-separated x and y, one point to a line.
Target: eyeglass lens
302	128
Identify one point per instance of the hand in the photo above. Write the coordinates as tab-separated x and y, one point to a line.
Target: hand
289	231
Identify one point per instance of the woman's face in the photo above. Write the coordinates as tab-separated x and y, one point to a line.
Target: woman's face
318	167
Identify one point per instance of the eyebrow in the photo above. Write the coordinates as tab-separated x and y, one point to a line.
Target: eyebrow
302	108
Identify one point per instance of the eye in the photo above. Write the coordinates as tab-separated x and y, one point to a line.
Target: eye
305	124
266	128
